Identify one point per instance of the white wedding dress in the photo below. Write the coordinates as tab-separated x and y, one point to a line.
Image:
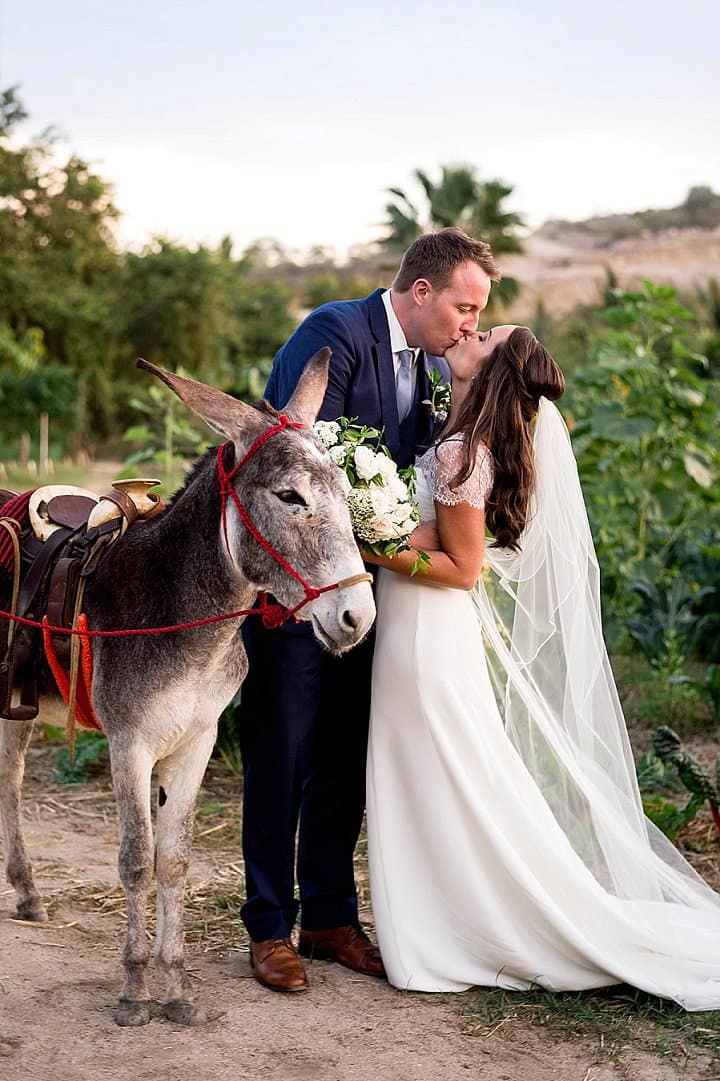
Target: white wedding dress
473	879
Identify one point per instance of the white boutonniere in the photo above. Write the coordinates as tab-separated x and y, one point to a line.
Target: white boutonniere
382	497
439	400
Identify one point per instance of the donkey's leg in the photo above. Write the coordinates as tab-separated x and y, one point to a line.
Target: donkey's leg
14	738
179	777
131	770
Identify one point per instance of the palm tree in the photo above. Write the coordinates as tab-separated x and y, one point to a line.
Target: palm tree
459	198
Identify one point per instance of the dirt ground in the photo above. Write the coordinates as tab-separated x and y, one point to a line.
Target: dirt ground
59	981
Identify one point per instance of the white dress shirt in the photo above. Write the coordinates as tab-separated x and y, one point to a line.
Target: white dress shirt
398	341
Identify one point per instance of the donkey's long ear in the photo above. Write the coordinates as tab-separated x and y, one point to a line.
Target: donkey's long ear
225	414
308	395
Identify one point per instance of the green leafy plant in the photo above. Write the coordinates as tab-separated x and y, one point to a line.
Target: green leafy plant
89	746
656	779
169	436
670	758
668	817
644	426
708	688
664	628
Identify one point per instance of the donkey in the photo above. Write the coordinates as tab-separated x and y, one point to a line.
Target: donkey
159	697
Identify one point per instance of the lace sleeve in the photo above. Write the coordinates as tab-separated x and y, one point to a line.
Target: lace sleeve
442	464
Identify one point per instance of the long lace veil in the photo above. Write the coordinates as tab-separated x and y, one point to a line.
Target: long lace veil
540	613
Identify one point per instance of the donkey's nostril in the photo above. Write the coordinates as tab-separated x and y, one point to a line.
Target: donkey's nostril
348	620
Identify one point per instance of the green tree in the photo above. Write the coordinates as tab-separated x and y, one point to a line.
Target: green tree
205	312
177	307
462	199
59	265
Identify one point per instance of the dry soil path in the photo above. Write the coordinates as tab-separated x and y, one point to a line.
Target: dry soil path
59	982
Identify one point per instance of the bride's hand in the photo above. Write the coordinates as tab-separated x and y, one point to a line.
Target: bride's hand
426	537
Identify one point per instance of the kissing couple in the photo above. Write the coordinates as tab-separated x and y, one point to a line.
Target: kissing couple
506	840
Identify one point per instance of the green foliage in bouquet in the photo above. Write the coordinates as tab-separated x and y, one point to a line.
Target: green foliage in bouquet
382	497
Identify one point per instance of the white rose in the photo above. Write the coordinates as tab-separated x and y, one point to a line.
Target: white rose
401	512
381	500
384	528
397	487
339	454
386	467
366	464
327	432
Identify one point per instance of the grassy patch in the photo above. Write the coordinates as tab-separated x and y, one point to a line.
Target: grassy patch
218	812
611	1020
649	699
21	479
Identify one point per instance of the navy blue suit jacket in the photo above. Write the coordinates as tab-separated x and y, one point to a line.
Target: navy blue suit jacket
362	375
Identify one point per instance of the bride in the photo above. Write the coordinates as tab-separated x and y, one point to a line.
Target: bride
507	844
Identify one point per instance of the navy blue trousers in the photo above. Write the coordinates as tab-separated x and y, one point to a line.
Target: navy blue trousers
303	732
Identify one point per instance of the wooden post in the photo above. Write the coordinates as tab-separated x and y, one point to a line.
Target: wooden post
44	455
24	449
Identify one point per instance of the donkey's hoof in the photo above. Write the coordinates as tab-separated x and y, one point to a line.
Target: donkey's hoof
132	1013
183	1012
32	911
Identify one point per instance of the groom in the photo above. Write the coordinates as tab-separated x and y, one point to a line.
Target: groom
304	714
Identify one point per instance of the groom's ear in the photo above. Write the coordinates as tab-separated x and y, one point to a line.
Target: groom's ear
421	289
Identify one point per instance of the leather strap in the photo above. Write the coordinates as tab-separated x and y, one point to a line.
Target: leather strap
63	588
124	502
7	628
37	571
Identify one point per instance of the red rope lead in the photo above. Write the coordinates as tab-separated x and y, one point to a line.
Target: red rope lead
142	630
272	614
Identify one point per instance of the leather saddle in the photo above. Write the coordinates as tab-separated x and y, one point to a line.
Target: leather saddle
60	534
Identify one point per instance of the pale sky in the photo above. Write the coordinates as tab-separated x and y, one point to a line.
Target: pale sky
290	120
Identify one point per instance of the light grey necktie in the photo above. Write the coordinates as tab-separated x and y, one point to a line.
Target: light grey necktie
404	383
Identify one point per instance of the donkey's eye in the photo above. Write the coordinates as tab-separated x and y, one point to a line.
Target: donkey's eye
289	495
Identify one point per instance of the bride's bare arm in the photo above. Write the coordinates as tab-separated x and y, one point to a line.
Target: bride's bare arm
458	560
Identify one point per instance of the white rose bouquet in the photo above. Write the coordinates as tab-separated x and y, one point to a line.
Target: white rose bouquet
382	497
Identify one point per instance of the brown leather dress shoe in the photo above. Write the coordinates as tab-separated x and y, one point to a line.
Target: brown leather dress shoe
348	945
276	965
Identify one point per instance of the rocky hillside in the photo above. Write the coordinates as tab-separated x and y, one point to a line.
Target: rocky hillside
566	263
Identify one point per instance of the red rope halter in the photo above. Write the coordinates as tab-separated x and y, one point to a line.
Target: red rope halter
272	614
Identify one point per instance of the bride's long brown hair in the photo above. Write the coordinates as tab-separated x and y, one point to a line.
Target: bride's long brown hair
498	411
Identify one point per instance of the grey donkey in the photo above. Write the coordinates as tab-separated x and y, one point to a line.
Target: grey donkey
159	697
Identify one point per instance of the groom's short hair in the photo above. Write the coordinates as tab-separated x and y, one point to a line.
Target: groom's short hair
435	255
